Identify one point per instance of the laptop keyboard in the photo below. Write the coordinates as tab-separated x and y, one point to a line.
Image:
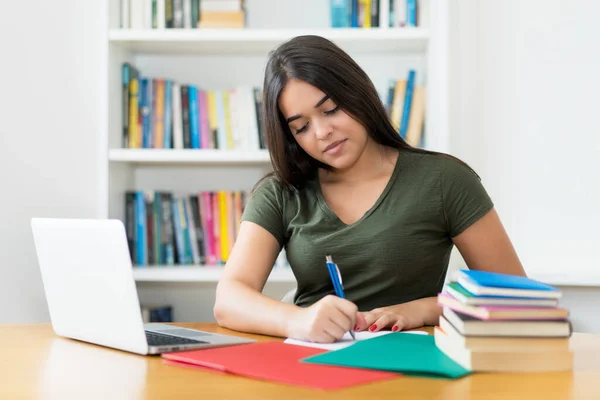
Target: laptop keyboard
157	339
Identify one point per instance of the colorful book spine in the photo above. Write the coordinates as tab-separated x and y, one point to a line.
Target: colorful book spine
410	83
205	133
159	114
168	132
194	120
141	235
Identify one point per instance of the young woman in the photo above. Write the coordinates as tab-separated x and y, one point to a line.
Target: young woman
346	184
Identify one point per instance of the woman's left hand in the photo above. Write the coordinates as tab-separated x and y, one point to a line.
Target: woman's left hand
411	315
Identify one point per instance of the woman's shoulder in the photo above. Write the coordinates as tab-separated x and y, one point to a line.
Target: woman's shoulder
444	165
271	186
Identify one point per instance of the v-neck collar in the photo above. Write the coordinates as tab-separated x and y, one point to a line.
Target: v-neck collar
325	207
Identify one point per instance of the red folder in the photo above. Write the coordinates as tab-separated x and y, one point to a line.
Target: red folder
278	362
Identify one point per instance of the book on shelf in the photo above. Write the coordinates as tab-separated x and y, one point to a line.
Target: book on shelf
162	113
166	229
405	104
507	333
182	14
374	13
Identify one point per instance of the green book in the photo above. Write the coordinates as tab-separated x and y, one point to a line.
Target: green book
464	296
399	352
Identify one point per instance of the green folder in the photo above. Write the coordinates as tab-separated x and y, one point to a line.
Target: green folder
399	352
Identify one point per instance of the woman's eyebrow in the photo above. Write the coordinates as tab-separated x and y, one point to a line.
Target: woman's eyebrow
295	117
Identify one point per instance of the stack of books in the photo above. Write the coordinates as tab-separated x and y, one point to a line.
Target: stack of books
501	323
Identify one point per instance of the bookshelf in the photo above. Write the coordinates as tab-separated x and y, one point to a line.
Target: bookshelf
188	156
217	59
245	41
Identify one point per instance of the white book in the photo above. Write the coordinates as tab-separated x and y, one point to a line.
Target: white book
176	115
250	106
125	21
147	14
235	118
384	14
400	13
136	14
160	14
187	14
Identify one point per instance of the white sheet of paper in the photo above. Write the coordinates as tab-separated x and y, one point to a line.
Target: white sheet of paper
345	341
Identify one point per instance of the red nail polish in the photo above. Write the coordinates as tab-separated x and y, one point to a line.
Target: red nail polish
355	327
394	329
373	327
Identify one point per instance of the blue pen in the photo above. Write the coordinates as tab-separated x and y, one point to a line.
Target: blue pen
336	279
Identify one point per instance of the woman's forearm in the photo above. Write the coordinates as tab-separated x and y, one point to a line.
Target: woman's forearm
242	308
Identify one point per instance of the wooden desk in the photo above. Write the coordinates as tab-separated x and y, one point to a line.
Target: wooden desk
36	363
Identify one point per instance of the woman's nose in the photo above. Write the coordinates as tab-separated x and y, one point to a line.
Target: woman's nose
322	128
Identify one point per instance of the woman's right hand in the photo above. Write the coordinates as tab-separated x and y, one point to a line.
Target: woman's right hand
325	321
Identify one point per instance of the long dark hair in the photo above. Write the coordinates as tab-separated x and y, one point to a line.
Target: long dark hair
321	63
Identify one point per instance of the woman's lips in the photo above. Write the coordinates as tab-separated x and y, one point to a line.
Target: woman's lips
334	147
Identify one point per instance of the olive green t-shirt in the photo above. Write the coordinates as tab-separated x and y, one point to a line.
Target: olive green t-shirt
397	252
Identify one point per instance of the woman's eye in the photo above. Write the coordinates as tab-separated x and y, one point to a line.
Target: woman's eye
304	128
332	111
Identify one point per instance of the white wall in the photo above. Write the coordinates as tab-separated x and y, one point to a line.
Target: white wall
524	114
51	59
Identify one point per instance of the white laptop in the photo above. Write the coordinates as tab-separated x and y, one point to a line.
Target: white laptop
88	281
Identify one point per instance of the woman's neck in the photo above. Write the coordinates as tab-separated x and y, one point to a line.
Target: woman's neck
375	160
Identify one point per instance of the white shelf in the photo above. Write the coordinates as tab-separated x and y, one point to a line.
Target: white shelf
244	41
189	156
197	274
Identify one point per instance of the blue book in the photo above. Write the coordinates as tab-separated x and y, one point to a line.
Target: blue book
339	13
194	122
168	135
482	283
141	229
411	12
144	108
410	84
354	13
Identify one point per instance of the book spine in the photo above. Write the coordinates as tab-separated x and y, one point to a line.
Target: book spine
130	227
157	221
185	116
177	117
168	251
141	228
168	124
159	114
125	75
206	141
150	244
179	244
199	231
193	116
